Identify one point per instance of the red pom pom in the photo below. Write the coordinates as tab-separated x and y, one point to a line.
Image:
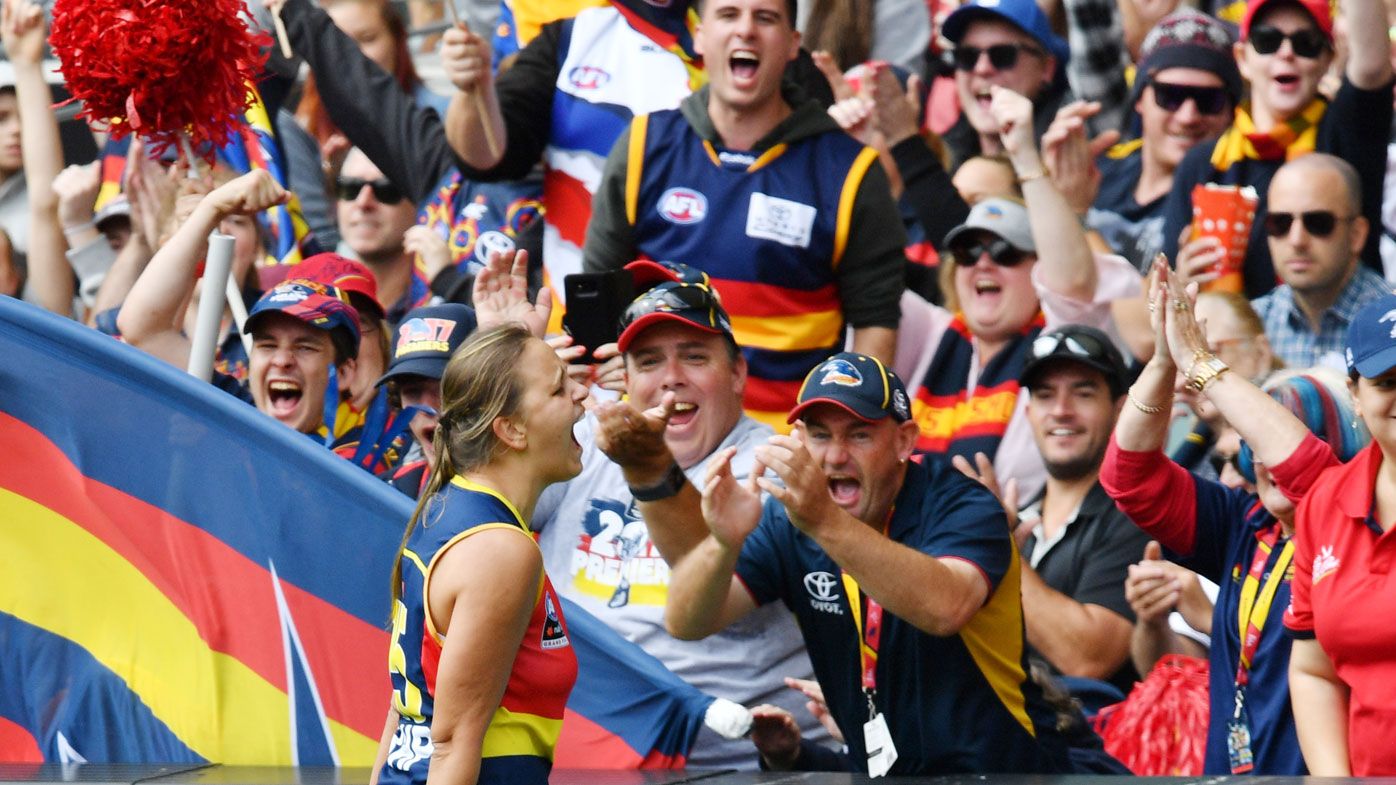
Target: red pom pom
1160	730
159	68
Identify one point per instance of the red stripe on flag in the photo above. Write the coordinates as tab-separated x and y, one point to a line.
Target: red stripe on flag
338	642
16	745
227	597
569	206
584	744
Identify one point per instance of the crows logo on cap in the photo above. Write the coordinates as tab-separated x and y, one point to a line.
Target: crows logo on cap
841	372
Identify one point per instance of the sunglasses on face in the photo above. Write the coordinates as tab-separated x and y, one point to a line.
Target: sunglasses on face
1307	43
999	251
1220	462
349	188
1077	345
1318	223
1208	100
1001	56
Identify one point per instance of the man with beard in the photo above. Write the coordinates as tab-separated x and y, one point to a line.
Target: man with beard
1075	545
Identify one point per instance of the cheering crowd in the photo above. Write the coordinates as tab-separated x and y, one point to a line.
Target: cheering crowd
932	372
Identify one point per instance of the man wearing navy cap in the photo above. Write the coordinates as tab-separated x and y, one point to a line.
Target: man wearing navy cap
1008	43
903	572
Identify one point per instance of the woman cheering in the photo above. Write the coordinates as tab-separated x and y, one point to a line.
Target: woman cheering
481	663
1342	671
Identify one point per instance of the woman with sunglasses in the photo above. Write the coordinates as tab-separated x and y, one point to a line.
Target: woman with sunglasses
480	660
1013	270
1286	49
1342	669
1295	428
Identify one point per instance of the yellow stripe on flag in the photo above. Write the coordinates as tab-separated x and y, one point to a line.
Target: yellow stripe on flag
62	578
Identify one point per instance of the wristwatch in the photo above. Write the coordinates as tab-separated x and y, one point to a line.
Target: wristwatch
1205	371
666	488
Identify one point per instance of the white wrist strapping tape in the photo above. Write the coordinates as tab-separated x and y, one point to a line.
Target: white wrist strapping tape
727	719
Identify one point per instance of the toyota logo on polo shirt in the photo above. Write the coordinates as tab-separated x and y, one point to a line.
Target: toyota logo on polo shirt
823	592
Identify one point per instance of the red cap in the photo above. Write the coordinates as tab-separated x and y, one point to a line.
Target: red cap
1320	10
342	273
649	273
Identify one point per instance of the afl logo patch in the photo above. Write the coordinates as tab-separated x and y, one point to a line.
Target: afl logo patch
587	77
683	206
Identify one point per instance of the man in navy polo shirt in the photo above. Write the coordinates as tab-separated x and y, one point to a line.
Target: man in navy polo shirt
903	573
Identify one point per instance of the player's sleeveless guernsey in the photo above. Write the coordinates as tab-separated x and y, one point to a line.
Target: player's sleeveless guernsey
522	734
769	230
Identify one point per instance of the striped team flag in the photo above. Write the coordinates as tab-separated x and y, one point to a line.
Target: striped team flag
186	580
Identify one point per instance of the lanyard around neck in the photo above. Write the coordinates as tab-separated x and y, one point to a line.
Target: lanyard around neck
1254	607
870	638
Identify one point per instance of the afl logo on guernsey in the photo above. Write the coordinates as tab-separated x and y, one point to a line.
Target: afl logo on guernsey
587	77
683	206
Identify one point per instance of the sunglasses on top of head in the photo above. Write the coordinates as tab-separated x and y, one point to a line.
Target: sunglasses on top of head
1001	56
687	297
1208	100
349	188
999	250
1076	345
1307	43
1318	223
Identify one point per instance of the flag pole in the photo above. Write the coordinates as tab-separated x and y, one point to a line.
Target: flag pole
217	265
